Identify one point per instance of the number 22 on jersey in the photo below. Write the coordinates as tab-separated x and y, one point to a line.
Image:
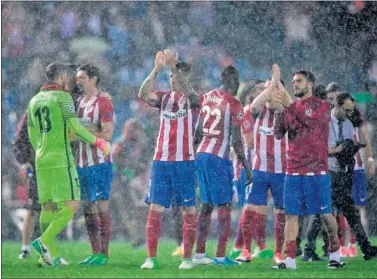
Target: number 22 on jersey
215	113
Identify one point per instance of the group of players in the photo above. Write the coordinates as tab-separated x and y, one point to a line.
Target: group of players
289	141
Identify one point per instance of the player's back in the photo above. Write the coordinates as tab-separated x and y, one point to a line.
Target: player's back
48	123
219	111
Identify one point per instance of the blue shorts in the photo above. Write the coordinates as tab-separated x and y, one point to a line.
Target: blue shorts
172	183
307	195
262	182
215	176
359	188
95	181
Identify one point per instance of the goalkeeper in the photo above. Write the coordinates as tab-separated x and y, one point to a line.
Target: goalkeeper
51	118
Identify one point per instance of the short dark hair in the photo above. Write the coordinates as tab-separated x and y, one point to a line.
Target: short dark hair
55	69
319	91
91	71
183	67
229	71
308	75
342	97
333	87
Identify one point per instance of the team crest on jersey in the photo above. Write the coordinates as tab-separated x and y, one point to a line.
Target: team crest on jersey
308	112
181	101
240	115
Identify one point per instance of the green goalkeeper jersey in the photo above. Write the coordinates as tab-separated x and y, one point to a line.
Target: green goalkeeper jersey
51	116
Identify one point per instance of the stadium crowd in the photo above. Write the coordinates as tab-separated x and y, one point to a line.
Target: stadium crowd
122	37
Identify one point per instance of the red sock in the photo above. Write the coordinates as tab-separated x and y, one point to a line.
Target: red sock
279	232
247	231
91	222
105	229
352	238
290	249
190	227
223	229
239	238
204	221
259	224
153	230
342	228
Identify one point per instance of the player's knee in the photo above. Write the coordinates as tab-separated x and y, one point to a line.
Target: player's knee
188	210
279	210
291	219
206	209
73	205
226	205
48	206
102	205
157	207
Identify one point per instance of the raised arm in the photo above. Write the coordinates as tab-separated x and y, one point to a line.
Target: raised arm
145	91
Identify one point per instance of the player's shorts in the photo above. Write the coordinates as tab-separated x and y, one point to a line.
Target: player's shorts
215	176
33	200
359	188
95	182
58	185
262	182
172	183
307	195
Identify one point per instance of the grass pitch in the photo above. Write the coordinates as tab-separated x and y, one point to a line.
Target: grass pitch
125	263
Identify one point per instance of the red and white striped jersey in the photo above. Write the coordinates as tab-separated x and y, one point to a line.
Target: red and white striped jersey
359	165
220	111
270	153
175	140
94	111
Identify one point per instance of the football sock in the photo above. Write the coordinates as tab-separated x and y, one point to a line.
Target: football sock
45	219
259	224
190	226
239	239
204	222
290	249
279	232
247	231
153	230
92	227
105	231
58	223
223	229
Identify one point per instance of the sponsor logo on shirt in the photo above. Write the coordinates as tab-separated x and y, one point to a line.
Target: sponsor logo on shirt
174	115
266	131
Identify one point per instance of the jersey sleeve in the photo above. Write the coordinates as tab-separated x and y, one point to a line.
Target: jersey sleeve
248	122
106	110
31	130
69	115
236	112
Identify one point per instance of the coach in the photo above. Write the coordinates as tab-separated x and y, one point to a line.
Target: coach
341	171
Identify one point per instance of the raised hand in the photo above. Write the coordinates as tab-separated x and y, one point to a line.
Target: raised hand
275	74
282	97
171	59
159	61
